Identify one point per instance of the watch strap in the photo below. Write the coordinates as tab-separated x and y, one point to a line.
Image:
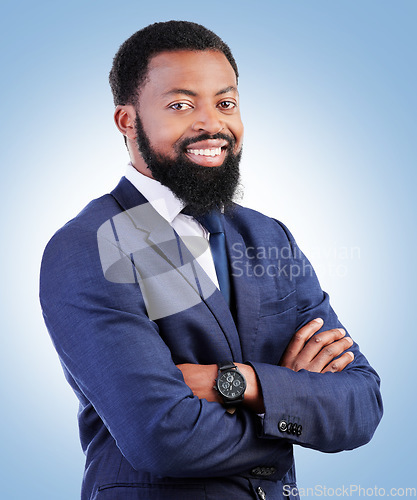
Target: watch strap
226	365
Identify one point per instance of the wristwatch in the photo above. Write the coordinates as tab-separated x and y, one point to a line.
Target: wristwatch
230	383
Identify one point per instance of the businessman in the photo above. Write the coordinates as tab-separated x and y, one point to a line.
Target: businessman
194	331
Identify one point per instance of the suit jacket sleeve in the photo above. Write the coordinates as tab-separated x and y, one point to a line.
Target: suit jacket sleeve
331	411
117	362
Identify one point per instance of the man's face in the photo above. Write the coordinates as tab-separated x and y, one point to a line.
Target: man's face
189	130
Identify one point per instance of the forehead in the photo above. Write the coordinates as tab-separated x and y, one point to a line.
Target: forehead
198	71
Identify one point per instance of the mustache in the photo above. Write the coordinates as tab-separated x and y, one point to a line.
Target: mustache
204	137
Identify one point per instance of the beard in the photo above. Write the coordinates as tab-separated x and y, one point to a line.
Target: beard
201	189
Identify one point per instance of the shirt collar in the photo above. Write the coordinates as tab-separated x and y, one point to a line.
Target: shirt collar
159	196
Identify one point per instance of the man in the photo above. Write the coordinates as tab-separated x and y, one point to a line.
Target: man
195	374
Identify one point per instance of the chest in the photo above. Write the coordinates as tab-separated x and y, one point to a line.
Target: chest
262	317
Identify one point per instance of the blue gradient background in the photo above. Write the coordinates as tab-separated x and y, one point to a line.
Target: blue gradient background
328	93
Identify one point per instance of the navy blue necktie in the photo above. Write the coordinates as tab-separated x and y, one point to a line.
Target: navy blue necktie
213	222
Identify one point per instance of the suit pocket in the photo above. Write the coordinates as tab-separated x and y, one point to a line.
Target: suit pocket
271	305
145	491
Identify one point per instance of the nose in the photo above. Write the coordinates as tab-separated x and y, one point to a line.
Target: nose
208	119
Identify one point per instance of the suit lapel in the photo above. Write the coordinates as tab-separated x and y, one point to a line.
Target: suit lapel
220	310
159	235
127	196
151	222
246	290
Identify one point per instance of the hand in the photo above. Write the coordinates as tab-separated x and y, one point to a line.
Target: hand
319	353
201	379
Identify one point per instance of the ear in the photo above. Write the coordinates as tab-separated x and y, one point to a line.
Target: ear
125	117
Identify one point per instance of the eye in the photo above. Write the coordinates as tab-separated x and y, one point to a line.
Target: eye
180	106
227	105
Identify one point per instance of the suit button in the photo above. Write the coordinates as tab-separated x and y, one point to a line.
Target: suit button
290	427
299	430
282	425
261	493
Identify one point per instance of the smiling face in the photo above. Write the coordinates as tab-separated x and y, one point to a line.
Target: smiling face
185	130
188	97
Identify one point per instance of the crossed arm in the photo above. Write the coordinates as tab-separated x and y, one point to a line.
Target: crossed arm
121	369
303	352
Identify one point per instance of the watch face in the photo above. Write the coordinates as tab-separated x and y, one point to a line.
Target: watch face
231	384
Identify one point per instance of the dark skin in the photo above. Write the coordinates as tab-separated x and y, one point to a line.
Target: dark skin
315	355
185	95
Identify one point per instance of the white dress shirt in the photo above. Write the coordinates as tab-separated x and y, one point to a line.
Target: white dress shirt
169	207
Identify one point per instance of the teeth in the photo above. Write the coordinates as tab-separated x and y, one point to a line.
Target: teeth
205	152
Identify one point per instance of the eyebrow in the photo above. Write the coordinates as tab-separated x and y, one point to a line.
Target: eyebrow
230	88
180	91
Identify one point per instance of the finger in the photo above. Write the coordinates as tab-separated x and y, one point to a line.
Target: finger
329	353
299	340
340	364
318	343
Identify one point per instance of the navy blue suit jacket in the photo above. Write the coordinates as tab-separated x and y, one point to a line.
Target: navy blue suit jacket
143	432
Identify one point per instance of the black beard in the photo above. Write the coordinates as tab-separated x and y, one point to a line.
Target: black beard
201	189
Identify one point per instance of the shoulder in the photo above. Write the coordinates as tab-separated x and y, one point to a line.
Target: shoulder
75	244
87	222
254	224
100	210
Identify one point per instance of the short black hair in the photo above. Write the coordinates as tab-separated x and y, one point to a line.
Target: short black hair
130	64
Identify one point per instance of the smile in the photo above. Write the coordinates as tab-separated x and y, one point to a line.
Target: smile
205	152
